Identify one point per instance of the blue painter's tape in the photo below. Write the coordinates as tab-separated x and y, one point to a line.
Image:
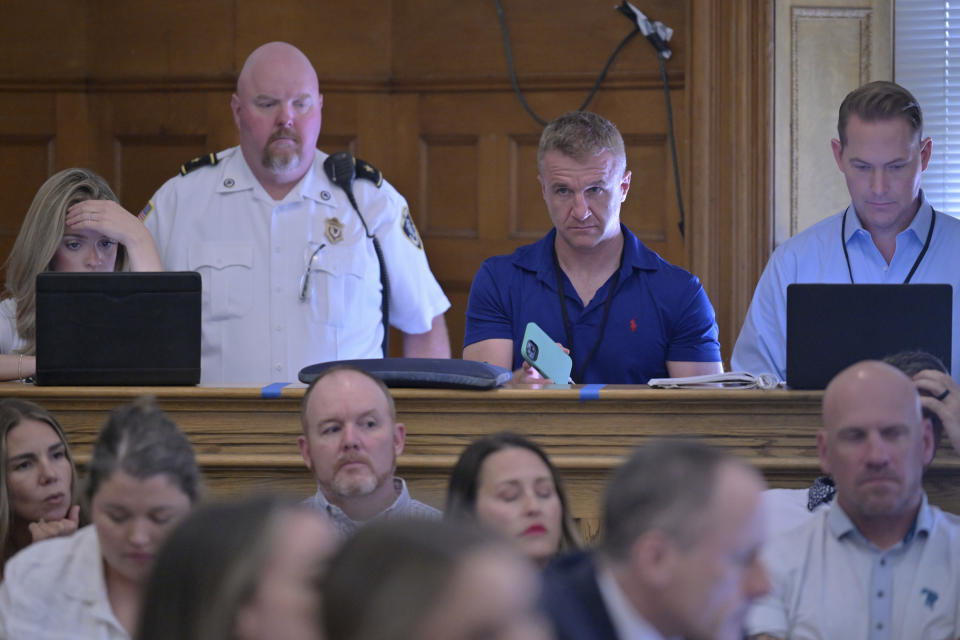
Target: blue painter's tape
591	392
273	390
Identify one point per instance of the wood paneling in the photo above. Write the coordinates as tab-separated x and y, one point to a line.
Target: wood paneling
43	39
827	49
729	156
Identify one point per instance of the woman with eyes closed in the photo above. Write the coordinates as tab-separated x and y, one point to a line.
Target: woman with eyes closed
38	482
143	480
74	223
507	484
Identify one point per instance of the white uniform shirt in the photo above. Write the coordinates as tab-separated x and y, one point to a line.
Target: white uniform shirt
251	252
10	339
829	582
55	590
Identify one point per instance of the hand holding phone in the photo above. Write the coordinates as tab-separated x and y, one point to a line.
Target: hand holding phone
545	355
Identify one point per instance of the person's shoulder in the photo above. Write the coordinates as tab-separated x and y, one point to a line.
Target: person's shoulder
647	260
790	546
571	567
526	257
43	565
815	237
949	223
571	594
947	522
199	171
422	510
8	308
369	181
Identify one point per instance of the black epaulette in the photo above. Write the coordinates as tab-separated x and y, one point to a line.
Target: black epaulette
207	160
369	172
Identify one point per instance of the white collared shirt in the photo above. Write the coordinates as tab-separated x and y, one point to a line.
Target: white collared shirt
55	590
828	581
252	251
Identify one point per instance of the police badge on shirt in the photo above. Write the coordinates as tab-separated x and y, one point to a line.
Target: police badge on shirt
410	229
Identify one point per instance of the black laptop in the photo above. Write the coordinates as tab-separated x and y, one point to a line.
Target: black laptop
831	326
118	328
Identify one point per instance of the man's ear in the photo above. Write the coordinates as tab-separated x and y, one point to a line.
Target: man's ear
822	451
399	437
235	109
652	558
837	152
625	184
926	148
305	451
929	448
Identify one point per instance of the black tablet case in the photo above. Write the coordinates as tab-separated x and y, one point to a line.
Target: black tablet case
118	328
831	326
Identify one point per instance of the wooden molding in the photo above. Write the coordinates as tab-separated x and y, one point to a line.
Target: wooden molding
729	218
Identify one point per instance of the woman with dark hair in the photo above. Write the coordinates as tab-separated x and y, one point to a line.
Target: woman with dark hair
507	483
74	223
143	479
430	580
38	482
246	570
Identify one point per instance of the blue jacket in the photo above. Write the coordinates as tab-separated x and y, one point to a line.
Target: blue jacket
571	598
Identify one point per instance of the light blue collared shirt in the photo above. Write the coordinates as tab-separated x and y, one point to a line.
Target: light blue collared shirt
814	255
828	581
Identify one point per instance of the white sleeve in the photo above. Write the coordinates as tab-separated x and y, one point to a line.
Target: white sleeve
415	296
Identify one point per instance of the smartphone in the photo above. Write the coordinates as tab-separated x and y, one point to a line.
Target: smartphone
545	355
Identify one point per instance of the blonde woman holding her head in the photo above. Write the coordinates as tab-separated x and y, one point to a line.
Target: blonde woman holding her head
75	224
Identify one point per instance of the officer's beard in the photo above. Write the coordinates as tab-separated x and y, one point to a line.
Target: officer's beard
284	158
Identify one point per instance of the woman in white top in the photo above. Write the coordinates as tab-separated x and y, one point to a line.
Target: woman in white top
38	482
143	480
73	224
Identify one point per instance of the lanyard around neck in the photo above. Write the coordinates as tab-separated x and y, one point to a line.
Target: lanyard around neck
913	269
579	372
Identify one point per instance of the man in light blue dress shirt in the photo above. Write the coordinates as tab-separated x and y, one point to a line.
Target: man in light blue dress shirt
888	235
881	563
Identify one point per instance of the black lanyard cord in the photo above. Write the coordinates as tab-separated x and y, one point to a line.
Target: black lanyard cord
923	252
578	373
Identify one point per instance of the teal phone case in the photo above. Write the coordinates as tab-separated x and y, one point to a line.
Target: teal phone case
545	355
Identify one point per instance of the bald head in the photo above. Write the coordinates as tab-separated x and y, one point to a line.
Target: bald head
277	112
870	384
276	57
875	443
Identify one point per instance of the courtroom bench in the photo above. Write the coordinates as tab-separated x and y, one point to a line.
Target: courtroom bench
248	442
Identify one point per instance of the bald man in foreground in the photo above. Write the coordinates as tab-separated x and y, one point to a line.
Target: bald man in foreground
881	562
290	273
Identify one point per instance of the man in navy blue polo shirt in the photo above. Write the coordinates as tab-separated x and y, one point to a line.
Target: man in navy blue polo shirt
625	314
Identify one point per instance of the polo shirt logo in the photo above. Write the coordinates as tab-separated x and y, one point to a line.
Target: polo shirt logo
633	324
929	597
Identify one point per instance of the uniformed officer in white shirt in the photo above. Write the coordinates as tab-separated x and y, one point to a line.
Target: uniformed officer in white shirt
290	277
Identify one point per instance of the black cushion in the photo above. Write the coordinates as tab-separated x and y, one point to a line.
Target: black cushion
433	373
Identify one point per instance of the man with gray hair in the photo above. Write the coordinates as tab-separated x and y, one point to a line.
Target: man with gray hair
680	554
624	313
881	562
